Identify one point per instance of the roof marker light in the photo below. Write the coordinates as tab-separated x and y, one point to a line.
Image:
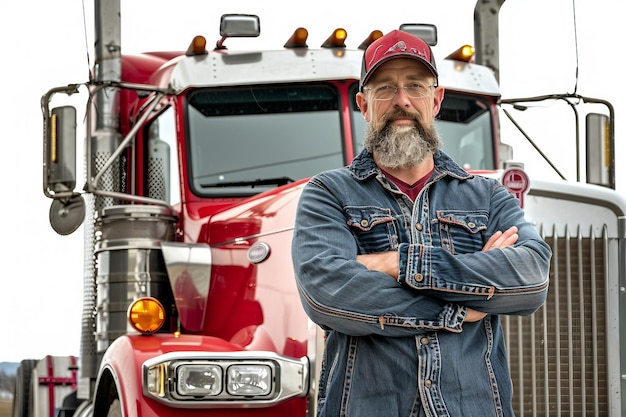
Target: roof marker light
337	39
465	54
298	39
197	46
371	38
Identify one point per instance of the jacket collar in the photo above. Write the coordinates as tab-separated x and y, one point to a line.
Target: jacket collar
364	167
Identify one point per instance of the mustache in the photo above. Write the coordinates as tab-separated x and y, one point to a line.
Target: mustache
401	114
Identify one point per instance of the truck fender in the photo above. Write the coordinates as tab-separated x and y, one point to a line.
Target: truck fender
119	381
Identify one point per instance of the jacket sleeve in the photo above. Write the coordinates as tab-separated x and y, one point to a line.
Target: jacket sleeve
512	280
339	293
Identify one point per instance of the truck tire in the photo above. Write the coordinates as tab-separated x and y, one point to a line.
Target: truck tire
115	409
21	399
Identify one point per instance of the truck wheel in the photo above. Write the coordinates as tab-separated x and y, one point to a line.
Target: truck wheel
115	409
21	399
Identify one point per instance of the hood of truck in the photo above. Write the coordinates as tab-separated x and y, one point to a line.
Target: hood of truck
252	287
251	219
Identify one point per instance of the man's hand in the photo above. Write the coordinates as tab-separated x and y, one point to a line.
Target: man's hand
501	240
386	262
473	315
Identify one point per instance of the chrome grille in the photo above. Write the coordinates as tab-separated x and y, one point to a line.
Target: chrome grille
558	356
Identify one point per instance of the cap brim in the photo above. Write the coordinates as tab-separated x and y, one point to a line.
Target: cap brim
421	60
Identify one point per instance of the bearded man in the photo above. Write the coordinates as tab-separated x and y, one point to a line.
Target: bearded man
407	261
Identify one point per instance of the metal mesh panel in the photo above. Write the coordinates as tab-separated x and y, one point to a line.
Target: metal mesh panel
558	356
158	171
89	366
110	181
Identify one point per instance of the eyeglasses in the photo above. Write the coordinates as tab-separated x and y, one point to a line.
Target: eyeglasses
388	92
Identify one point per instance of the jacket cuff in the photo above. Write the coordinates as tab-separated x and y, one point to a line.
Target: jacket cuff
403	256
454	321
413	259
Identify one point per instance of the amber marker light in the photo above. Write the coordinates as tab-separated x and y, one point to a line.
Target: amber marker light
336	40
197	46
53	136
371	38
146	315
465	53
298	39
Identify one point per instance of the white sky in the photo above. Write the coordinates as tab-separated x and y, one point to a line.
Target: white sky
44	44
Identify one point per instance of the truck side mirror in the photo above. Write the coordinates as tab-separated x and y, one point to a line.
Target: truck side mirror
599	147
60	152
67	211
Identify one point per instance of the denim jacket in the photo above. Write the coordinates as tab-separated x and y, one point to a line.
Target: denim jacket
401	347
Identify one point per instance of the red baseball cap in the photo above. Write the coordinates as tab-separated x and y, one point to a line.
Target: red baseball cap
396	44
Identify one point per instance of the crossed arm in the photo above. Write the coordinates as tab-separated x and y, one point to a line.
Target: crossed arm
387	262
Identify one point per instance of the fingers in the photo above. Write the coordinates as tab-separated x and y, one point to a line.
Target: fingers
473	315
492	240
386	262
501	240
509	239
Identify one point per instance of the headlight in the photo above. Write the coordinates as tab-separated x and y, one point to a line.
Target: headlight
233	379
199	380
249	380
224	379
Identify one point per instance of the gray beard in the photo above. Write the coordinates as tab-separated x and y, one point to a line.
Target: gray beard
401	146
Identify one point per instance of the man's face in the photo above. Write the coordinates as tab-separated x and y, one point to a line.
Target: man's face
400	129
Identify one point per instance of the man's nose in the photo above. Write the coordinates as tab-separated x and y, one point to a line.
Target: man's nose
401	99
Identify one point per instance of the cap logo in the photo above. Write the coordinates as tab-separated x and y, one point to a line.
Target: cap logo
399	46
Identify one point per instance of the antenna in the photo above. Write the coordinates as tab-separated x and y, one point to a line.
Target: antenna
575	44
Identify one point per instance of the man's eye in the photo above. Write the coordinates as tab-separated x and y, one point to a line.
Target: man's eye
415	87
385	88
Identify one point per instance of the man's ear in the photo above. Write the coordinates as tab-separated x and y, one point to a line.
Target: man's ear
439	93
361	102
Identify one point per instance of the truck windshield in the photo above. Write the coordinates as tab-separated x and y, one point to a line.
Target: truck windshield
247	140
465	126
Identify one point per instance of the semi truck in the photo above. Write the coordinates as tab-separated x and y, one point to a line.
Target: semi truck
194	162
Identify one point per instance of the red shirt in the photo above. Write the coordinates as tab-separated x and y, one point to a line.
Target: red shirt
412	190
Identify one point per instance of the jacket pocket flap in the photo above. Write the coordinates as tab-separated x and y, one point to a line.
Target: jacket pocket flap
472	221
366	217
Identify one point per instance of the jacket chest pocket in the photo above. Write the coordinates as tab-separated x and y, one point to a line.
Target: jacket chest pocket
460	231
374	228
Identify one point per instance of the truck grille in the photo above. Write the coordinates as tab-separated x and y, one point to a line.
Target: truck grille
558	356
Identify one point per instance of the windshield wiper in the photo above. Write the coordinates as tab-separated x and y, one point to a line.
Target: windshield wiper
277	181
